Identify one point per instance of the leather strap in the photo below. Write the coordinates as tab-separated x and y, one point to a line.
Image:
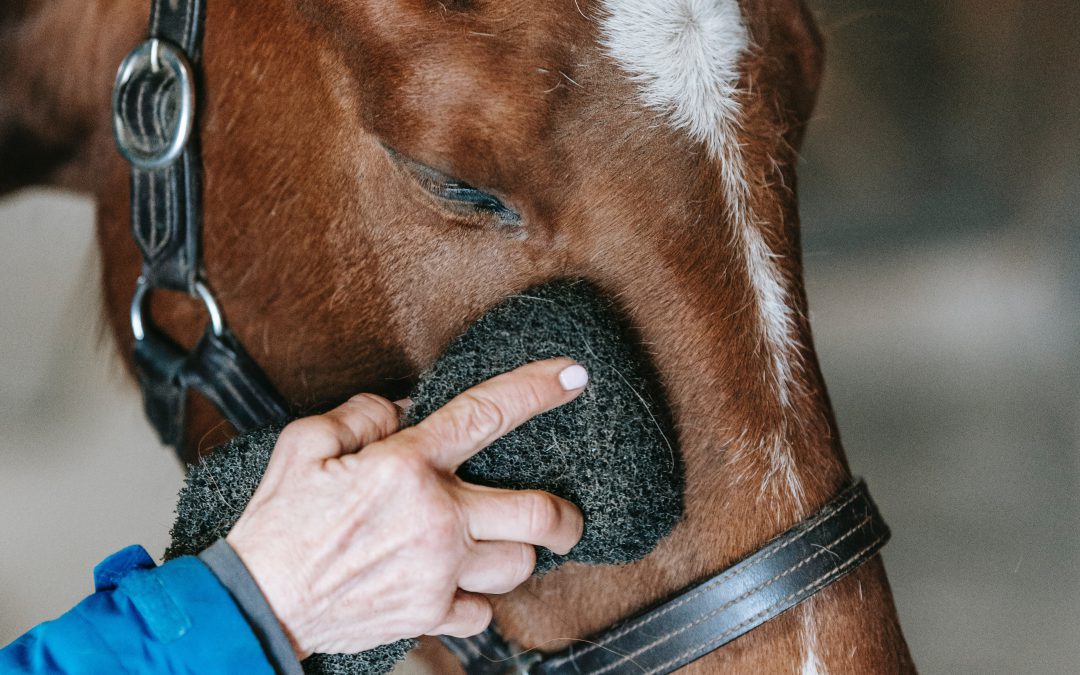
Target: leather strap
218	368
166	201
154	117
807	558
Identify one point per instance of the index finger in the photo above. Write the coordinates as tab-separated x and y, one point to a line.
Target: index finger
478	416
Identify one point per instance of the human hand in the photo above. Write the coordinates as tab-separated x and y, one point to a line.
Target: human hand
357	549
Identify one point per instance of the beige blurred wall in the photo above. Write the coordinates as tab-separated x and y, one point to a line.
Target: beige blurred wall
81	473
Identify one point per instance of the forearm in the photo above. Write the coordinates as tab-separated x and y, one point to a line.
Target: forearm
174	618
234	576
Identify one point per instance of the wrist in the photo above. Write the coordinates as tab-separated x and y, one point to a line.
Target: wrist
281	601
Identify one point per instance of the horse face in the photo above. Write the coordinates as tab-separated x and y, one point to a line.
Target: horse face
379	174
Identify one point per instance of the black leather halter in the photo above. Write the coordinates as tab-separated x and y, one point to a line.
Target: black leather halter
833	542
155	121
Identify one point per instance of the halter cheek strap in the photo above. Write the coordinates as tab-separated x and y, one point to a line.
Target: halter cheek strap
155	124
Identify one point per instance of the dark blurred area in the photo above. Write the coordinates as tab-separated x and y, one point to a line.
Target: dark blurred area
940	198
940	190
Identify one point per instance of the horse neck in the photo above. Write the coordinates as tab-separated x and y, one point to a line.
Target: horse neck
753	469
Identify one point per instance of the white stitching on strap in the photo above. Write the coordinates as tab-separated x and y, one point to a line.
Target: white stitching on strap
188	26
664	638
143	86
804	592
772	550
172	215
172	208
152	221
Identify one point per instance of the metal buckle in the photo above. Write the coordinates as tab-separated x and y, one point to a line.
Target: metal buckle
149	58
142	292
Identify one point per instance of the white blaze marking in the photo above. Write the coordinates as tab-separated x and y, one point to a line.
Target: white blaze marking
811	665
685	54
685	57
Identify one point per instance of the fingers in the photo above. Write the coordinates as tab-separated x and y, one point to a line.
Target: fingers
493	408
526	516
497	567
364	419
360	421
470	613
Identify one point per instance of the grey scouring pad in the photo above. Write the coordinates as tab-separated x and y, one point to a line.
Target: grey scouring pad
610	451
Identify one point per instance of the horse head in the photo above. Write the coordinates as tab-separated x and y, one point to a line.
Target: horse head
378	174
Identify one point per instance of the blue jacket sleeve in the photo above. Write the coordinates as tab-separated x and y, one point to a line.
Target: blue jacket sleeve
176	618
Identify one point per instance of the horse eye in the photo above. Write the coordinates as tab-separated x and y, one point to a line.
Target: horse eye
457	193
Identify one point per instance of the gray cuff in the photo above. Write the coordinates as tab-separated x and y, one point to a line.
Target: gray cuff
234	576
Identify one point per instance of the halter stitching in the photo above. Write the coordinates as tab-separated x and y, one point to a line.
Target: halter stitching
644	621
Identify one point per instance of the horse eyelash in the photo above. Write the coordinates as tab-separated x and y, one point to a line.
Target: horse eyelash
462	193
458	192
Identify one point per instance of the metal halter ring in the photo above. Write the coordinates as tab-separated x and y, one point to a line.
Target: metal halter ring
155	54
138	305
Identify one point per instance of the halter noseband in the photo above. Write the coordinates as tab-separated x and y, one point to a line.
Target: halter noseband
700	619
154	119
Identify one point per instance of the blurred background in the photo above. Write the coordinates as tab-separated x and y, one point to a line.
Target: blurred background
941	193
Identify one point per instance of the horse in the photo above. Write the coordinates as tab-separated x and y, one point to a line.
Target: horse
378	174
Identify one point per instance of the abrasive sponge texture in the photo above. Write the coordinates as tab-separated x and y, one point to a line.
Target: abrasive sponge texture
609	451
214	495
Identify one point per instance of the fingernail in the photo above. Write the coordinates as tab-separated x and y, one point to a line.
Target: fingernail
573	377
404	404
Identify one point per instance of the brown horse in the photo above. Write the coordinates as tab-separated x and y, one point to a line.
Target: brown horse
647	145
